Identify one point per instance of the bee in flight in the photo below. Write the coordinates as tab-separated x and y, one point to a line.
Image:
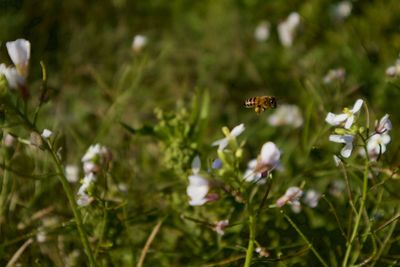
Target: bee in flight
260	103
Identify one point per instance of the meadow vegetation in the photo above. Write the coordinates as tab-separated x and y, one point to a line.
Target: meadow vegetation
125	140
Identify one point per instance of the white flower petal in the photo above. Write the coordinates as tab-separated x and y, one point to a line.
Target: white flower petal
346	150
270	154
349	122
237	130
357	106
19	51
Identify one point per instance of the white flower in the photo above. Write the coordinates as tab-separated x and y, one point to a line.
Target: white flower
261	33
72	173
292	197
197	190
46	133
20	52
220	226
236	131
384	125
312	198
139	41
287	29
286	115
269	158
347	117
84	191
342	10
83	200
96	156
377	144
343	139
335	75
14	79
251	175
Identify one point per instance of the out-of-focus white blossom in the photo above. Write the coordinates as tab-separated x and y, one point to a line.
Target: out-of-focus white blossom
336	188
95	157
229	135
197	190
384	125
286	115
262	252
394	70
312	198
262	31
343	139
288	28
292	197
139	42
335	75
46	133
347	117
72	173
342	10
220	226
85	191
9	140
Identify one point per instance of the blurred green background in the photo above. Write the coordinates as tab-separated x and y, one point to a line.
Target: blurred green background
194	48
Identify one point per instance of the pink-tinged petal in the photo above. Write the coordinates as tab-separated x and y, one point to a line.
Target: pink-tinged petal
357	106
237	130
346	151
349	122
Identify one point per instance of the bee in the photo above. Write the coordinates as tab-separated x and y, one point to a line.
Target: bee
260	103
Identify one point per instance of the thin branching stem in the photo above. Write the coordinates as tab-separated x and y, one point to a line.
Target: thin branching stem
358	216
322	261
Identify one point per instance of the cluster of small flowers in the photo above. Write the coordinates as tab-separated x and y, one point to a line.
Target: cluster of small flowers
347	119
293	195
19	52
376	143
286	30
95	158
286	115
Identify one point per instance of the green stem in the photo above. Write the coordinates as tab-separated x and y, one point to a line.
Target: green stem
250	247
306	240
359	215
73	205
4	191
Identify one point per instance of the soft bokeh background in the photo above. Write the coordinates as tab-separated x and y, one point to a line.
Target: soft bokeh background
195	49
